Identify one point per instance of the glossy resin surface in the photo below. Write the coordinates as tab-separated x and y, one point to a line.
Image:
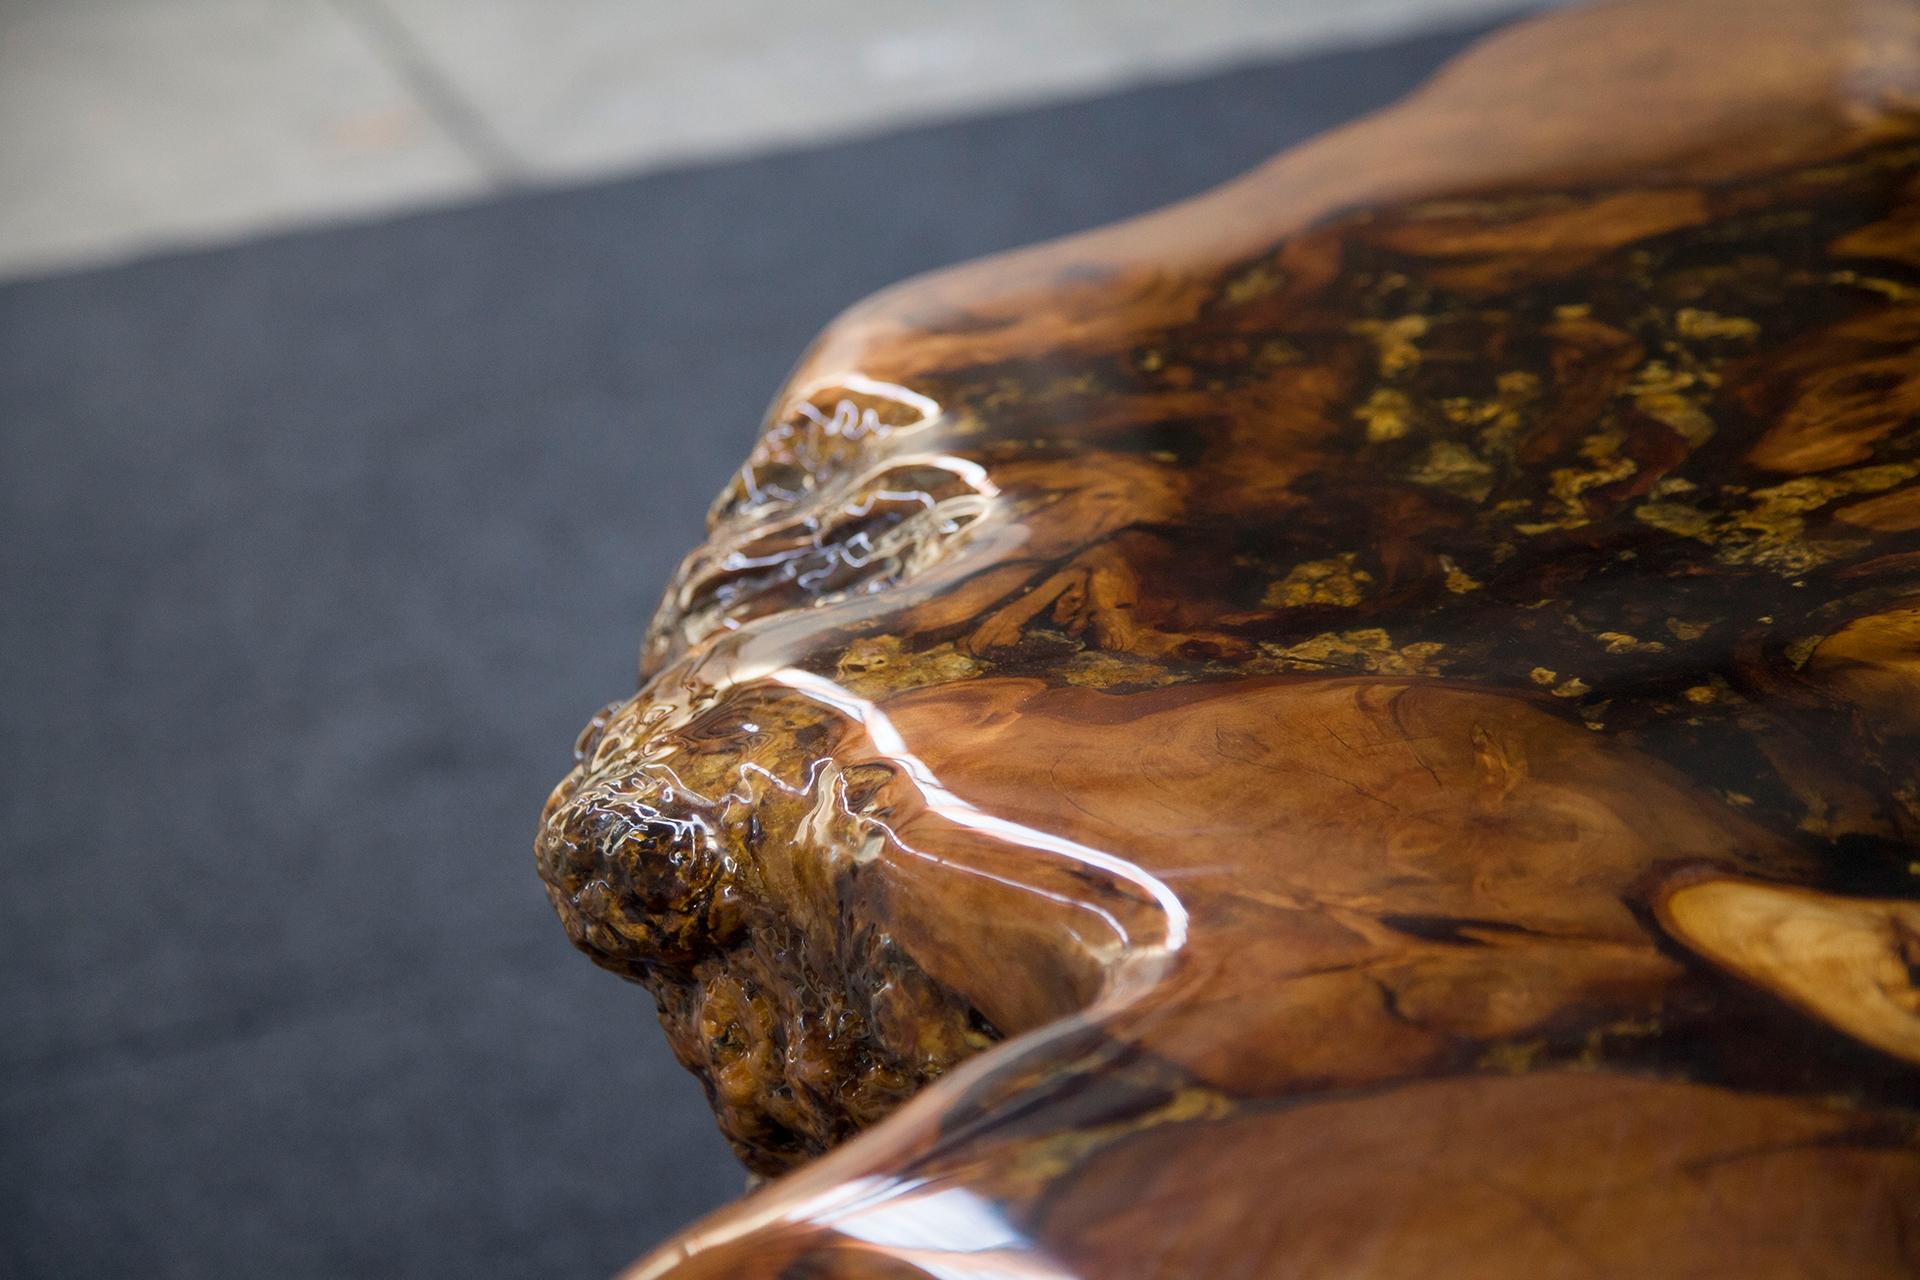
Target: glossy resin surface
1367	724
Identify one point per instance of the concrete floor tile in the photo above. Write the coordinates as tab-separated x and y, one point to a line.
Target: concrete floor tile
131	125
620	84
128	126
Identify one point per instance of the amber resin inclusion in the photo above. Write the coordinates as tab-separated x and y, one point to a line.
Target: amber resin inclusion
1380	708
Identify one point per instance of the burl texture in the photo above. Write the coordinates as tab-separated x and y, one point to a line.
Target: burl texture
1367	724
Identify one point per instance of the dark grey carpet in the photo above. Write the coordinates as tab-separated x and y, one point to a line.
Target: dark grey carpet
316	552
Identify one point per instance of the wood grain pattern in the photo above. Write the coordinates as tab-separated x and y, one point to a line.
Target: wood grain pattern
1364	724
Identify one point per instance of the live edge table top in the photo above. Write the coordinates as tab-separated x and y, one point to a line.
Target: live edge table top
1363	725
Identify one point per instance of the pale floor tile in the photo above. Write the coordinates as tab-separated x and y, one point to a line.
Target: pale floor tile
133	125
612	84
1169	39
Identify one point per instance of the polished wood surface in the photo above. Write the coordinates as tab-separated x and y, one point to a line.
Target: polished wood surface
1366	724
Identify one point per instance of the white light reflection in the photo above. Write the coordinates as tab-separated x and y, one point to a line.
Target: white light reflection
887	739
860	384
950	1234
950	1220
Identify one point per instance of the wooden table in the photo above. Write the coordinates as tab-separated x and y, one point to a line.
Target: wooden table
1366	724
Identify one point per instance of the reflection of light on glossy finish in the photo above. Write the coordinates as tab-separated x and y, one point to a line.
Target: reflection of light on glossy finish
925	406
950	1220
887	739
946	1232
1140	957
808	544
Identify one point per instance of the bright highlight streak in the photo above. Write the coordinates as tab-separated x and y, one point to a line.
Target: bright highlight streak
889	741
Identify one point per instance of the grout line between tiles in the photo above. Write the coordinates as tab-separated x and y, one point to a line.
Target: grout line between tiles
463	122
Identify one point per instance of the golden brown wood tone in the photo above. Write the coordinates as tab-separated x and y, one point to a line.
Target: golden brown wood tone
1367	724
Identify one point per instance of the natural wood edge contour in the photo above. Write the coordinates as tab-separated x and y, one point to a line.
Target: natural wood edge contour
1365	723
